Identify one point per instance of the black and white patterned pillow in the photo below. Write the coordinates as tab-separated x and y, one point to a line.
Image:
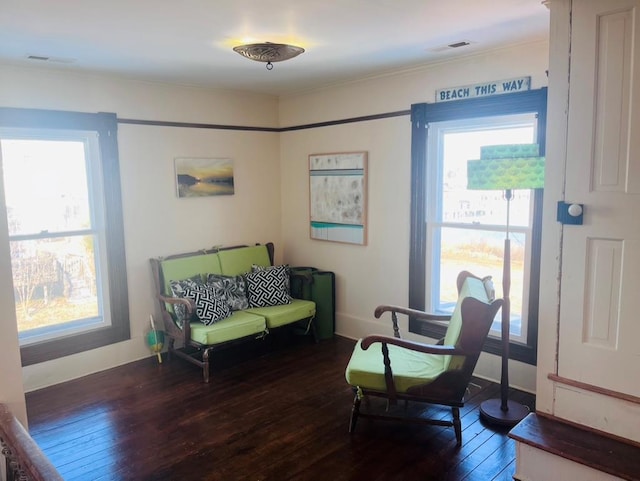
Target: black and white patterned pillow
231	288
209	308
268	287
256	268
177	290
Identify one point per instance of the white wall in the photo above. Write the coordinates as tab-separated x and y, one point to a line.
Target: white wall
156	222
11	388
271	174
378	273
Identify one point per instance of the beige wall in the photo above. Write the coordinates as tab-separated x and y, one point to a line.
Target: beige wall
378	272
11	387
271	173
156	222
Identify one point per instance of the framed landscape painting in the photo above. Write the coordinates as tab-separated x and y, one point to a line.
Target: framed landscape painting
338	197
203	177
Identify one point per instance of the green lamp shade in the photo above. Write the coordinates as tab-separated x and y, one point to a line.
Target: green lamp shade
504	167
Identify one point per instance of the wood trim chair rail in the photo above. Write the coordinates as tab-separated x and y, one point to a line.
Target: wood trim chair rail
596	389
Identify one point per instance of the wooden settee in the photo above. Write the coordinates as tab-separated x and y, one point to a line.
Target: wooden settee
192	339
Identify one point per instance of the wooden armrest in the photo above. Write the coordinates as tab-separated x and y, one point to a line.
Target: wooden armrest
186	322
411	312
414	346
179	300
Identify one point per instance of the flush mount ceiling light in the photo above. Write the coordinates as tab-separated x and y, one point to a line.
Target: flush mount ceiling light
268	52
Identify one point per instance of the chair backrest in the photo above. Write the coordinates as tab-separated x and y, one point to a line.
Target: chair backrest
468	286
238	261
186	267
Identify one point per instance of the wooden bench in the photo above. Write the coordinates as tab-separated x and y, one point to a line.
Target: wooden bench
237	264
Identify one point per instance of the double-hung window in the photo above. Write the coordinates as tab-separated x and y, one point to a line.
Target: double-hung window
466	228
455	229
61	196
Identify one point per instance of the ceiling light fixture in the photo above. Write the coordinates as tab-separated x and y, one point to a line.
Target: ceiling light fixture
268	52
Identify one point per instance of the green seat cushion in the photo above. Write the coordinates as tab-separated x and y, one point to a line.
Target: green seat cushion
277	316
410	368
239	324
239	261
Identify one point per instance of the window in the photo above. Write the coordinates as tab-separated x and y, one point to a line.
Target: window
454	229
60	180
466	228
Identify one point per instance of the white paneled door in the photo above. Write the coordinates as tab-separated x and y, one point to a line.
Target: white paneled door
599	337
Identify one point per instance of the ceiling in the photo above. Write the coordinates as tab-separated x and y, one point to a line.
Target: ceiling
190	41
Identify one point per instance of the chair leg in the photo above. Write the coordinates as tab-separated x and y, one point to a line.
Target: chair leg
314	331
457	426
170	348
205	361
355	411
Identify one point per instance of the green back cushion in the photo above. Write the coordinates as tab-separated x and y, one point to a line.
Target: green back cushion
239	261
471	287
187	267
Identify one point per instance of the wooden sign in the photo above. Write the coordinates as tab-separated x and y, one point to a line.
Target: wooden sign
484	89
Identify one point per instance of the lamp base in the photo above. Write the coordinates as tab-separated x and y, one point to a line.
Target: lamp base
491	412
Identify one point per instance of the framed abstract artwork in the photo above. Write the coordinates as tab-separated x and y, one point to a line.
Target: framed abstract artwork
198	177
338	197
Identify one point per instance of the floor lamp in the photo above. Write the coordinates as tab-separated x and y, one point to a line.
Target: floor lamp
505	167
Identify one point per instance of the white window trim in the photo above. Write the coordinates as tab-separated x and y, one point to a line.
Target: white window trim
434	197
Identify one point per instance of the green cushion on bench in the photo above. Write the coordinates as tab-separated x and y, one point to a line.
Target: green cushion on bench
239	261
277	316
410	368
187	267
239	324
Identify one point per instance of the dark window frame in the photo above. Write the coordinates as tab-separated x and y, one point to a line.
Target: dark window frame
531	101
106	125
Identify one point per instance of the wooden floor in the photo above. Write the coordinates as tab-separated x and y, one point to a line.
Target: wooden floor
267	415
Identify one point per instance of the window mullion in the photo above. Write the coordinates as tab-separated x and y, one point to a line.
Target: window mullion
52	235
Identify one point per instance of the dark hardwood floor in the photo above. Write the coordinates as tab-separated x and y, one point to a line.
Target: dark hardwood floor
267	415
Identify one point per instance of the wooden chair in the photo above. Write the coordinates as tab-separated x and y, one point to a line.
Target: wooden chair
398	369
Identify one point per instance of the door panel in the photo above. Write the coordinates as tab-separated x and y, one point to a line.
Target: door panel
599	307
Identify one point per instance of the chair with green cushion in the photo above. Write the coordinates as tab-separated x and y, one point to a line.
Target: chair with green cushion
398	369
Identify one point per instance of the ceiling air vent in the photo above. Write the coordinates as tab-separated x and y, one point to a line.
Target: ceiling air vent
463	43
44	58
444	48
38	57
